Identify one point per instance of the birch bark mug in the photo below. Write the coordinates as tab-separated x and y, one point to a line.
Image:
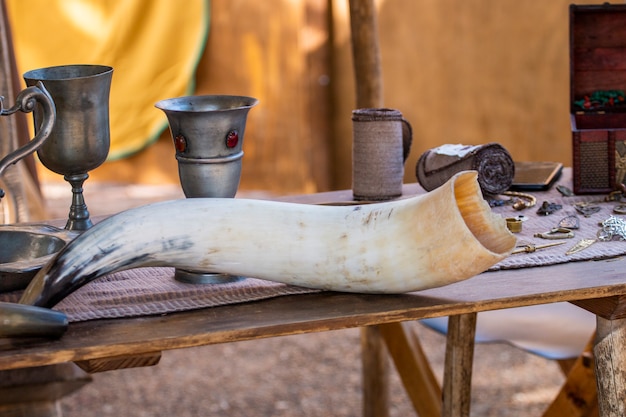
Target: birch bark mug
381	141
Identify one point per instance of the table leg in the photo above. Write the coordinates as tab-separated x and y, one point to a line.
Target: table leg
457	376
610	360
413	367
35	392
578	396
375	373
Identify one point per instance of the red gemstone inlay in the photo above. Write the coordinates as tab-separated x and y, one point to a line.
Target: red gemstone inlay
232	139
180	143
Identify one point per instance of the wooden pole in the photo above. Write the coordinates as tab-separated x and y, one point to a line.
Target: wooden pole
368	79
366	54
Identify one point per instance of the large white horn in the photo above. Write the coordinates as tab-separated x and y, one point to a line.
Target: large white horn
434	239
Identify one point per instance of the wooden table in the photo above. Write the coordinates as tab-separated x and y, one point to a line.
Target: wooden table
598	286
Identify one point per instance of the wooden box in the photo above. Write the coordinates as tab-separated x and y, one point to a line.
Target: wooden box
598	104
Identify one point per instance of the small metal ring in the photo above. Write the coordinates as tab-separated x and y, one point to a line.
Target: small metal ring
621	209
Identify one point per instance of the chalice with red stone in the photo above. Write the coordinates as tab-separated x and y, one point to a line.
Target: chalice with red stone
208	139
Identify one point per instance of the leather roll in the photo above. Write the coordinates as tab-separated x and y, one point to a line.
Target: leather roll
492	161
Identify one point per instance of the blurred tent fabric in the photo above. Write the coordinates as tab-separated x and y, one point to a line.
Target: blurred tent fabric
154	47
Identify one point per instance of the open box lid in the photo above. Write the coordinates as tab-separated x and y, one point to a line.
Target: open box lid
597	50
597	56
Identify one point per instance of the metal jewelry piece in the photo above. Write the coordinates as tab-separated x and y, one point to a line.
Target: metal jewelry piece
556	233
582	245
530	248
614	196
548	208
621	209
611	227
497	202
565	192
569	222
525	200
586	209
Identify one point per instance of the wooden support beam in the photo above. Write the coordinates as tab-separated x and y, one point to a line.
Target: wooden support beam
412	365
120	362
375	373
457	377
610	355
613	307
578	395
36	392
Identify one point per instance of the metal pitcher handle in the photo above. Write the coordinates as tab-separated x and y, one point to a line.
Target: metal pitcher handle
26	102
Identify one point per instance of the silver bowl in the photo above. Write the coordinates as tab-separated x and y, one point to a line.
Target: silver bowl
24	249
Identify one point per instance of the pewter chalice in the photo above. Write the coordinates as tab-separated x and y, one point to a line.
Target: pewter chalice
80	139
208	139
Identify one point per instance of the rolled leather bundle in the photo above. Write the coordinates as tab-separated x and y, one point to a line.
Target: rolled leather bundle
492	161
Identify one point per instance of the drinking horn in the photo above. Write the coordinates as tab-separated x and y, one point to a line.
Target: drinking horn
430	240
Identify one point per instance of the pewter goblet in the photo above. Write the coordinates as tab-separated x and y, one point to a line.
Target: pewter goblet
208	139
80	139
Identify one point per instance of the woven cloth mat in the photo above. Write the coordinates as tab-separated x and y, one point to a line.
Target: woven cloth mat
589	227
152	291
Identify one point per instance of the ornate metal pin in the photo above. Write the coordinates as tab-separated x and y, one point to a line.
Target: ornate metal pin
530	248
580	246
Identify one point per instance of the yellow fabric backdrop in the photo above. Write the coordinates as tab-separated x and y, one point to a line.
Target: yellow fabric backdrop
153	46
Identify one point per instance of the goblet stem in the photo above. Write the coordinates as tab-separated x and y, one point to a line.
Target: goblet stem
78	219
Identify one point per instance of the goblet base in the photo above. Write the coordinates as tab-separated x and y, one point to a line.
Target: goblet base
193	277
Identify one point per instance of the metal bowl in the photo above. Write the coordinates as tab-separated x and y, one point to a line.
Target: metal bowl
24	249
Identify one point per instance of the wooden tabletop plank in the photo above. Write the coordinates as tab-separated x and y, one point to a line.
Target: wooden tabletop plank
286	315
323	311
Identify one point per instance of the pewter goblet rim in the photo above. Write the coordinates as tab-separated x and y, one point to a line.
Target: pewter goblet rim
203	103
67	72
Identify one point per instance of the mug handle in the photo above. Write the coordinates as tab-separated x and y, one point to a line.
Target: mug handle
26	102
407	138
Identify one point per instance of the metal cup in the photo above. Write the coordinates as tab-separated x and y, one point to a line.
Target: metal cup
80	139
208	138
